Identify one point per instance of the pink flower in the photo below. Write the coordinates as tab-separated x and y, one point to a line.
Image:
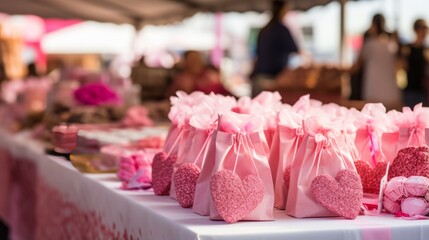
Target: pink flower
96	94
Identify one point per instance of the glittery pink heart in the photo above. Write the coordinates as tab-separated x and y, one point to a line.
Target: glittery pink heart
342	195
412	161
370	177
235	198
185	180
162	170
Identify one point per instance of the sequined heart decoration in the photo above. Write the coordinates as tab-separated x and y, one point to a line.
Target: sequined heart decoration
411	161
233	197
370	178
342	195
162	171
185	180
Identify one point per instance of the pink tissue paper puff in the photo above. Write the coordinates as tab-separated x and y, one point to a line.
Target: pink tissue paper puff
391	206
370	177
414	206
416	186
185	180
234	197
412	161
131	163
162	170
395	188
427	196
342	195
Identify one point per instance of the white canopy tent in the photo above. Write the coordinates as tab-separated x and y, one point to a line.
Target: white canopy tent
137	12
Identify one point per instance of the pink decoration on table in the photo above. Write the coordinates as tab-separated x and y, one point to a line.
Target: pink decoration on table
131	164
307	107
342	195
415	206
370	177
417	186
185	180
286	142
266	104
137	181
241	147
409	194
234	197
413	125
391	206
137	116
96	94
162	170
372	122
64	138
395	189
427	196
321	153
411	161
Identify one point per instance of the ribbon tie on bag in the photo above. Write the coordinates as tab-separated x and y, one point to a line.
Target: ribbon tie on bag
323	139
299	132
418	133
374	144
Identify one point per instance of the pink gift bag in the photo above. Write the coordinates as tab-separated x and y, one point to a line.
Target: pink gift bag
183	151
320	153
193	162
413	126
372	123
172	135
288	138
201	203
241	158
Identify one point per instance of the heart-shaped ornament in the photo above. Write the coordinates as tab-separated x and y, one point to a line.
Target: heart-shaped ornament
370	177
342	195
185	180
233	197
162	170
411	161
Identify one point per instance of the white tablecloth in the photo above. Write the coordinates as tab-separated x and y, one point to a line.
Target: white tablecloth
98	202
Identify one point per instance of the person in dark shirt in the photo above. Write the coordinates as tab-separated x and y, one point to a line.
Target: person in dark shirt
274	46
416	64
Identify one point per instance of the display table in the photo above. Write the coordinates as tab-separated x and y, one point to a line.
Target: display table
44	197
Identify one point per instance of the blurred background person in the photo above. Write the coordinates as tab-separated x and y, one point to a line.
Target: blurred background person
357	74
378	63
415	63
197	76
274	46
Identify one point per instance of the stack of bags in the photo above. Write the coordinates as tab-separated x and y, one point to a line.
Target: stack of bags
235	159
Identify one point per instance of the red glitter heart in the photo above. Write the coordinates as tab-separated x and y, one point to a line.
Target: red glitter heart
411	161
235	198
342	195
370	178
185	180
162	170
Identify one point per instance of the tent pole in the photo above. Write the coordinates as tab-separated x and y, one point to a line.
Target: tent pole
137	24
342	30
